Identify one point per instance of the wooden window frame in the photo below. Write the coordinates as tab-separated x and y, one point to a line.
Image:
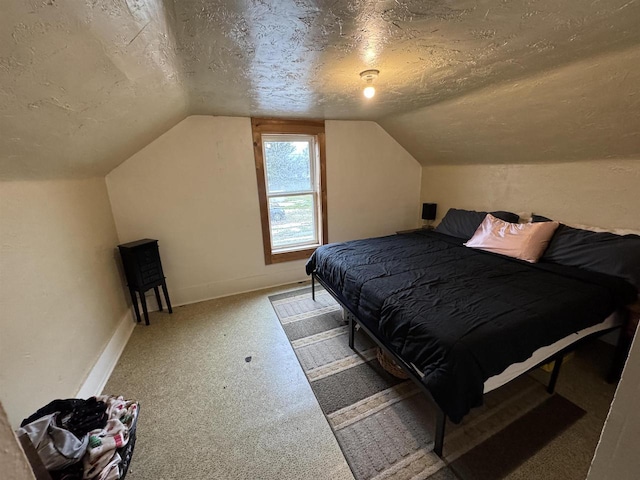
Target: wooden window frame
267	126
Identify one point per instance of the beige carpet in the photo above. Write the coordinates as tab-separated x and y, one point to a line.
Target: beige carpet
208	413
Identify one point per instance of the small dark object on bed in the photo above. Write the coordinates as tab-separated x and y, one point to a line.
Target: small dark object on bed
247	359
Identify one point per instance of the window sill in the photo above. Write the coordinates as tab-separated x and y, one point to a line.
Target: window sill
290	255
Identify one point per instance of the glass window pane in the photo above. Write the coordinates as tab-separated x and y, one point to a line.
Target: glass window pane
288	166
292	220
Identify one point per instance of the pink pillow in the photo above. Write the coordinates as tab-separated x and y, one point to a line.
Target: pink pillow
526	241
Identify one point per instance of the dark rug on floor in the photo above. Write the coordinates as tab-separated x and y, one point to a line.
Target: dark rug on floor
384	425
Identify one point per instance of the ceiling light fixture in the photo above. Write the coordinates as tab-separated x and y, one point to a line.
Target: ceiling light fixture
369	76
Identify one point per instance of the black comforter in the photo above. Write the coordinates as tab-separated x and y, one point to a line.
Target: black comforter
462	315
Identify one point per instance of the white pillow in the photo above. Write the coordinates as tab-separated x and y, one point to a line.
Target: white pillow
525	241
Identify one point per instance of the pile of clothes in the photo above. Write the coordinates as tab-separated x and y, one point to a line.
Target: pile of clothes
88	439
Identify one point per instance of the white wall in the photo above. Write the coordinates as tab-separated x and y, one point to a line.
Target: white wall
581	110
601	193
61	296
194	189
14	463
616	455
90	83
372	182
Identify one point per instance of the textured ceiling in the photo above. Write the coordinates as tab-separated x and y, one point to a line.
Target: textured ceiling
303	58
83	85
586	110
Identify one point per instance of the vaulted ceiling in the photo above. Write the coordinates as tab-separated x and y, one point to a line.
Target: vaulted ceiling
83	85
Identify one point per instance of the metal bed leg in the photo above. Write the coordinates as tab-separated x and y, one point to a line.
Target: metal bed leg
313	286
554	374
438	442
621	352
352	330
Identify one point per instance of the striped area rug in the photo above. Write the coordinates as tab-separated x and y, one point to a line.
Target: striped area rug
384	425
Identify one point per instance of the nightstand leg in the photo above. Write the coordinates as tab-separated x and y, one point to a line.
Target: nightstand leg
155	289
166	296
143	299
134	300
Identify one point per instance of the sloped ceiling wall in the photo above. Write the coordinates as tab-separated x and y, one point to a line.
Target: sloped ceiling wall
83	85
586	110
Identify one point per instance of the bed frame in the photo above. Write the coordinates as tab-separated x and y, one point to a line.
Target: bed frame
441	420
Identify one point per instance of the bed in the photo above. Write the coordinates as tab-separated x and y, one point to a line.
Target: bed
462	321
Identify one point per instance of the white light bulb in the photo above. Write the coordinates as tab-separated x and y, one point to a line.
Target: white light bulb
369	91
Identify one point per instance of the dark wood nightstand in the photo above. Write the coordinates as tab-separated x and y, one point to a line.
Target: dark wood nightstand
143	269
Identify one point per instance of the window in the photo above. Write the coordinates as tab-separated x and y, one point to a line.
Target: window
290	170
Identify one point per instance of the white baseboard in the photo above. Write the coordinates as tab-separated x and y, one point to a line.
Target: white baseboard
225	288
101	371
250	290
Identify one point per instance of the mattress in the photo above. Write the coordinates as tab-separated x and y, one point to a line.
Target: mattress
541	354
